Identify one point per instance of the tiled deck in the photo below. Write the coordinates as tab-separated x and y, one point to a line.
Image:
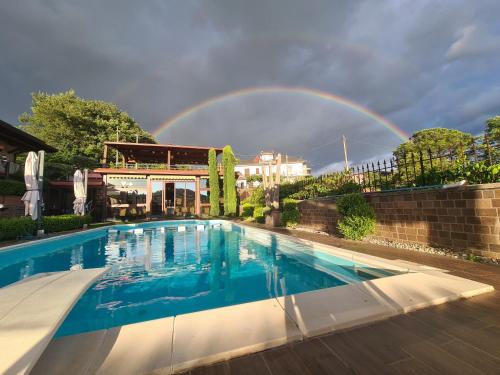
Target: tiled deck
461	337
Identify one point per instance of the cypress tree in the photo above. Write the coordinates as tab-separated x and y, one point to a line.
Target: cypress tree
229	162
214	183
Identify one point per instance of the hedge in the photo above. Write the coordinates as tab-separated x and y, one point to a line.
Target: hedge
290	216
12	187
62	223
16	227
13	228
247	210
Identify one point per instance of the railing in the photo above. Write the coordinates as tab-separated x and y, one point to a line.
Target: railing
159	166
406	170
425	167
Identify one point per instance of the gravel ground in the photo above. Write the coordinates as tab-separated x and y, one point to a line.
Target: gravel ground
433	250
418	247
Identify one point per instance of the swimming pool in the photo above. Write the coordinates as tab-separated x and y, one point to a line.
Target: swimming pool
157	271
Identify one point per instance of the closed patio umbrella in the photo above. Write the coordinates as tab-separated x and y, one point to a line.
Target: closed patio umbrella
32	194
80	196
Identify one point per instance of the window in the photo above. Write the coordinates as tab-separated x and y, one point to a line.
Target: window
257	171
247	172
126	191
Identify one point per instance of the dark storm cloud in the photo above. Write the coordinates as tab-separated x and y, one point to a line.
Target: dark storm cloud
420	64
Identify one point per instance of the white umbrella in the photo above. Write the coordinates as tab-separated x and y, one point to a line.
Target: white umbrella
32	194
79	189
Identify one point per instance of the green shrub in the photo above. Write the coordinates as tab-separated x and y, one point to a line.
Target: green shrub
358	217
356	227
479	173
354	205
349	187
256	197
259	213
62	223
247	210
13	228
290	216
327	185
12	187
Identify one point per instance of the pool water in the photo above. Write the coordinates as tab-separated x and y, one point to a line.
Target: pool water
163	272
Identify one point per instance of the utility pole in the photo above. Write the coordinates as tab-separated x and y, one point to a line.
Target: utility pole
345	152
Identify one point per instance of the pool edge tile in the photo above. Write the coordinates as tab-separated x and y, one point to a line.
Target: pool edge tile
318	312
209	336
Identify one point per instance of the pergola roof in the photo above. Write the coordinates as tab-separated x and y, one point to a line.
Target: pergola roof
20	141
156	153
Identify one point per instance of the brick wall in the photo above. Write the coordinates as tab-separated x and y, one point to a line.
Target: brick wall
465	218
14	206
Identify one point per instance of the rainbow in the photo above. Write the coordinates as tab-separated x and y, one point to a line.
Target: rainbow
379	119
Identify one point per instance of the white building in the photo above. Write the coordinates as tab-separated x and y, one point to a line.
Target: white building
292	168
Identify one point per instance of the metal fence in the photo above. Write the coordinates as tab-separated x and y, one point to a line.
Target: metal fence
424	167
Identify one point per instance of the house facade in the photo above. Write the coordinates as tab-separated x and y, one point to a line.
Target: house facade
155	180
292	168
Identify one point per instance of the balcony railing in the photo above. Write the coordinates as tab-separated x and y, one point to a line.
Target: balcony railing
157	166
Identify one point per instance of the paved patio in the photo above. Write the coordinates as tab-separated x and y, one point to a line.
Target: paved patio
461	337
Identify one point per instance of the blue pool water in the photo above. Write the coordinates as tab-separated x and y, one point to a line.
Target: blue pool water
162	272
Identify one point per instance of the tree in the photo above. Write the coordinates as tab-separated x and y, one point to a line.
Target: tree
214	183
492	133
78	127
439	141
228	162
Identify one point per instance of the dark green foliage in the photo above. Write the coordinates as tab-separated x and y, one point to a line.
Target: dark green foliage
290	215
256	197
254	178
259	213
247	210
312	187
13	228
62	223
492	134
348	187
356	227
478	173
228	162
12	187
214	183
437	140
358	217
78	127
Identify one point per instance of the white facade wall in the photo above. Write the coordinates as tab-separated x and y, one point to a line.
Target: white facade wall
293	170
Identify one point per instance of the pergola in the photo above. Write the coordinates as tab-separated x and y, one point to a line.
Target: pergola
162	154
15	141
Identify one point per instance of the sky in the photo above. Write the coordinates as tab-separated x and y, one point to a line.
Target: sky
411	64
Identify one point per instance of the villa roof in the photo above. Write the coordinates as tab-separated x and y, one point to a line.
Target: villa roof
20	141
255	160
157	153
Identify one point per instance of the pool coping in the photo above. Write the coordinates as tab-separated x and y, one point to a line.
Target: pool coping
294	318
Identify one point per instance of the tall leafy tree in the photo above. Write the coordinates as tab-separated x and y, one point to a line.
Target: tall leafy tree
440	141
214	183
229	161
78	127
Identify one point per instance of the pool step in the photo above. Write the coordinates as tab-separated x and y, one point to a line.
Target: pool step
32	311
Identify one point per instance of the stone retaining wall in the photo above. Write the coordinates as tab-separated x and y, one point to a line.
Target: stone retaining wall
465	218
